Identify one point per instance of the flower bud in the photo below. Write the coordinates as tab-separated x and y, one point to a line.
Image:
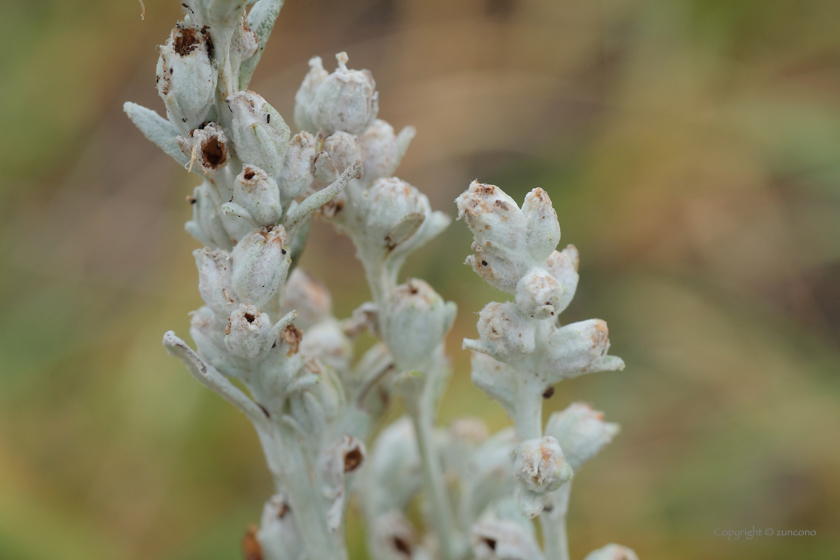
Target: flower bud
206	224
260	134
543	228
538	467
382	149
344	100
215	279
538	294
417	321
612	552
208	331
296	174
495	378
503	540
327	343
581	432
247	331
186	77
344	150
505	330
278	534
257	193
396	210
500	232
206	146
309	297
392	537
306	94
260	264
576	349
394	471
563	265
344	456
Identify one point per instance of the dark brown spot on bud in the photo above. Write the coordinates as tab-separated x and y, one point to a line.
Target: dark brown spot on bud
491	543
549	392
249	175
352	459
213	152
483	263
402	546
250	317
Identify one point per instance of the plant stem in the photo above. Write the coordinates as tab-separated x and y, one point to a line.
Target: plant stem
300	483
442	517
553	524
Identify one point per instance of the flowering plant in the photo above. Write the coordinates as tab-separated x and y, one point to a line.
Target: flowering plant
268	343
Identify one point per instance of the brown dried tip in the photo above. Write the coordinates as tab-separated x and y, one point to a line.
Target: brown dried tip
250	545
292	335
185	40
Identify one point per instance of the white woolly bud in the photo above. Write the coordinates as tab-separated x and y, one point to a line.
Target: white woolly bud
538	467
296	174
417	322
344	149
186	77
260	264
309	297
206	147
344	100
538	294
260	134
344	456
543	228
392	537
306	94
215	279
208	331
382	149
257	193
247	331
503	540
563	265
326	342
393	473
576	349
396	211
499	227
278	535
504	329
581	432
612	552
206	224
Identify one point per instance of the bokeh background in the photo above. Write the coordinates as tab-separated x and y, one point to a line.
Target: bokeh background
691	148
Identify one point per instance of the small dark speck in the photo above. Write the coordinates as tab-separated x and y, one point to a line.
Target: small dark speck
283	251
184	119
483	263
171	70
268	119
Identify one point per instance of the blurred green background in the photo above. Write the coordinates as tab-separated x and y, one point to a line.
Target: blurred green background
692	151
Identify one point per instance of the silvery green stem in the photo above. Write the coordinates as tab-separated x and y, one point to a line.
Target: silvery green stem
301	484
442	517
553	524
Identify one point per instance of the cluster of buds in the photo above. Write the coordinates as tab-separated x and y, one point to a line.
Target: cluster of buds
268	343
523	351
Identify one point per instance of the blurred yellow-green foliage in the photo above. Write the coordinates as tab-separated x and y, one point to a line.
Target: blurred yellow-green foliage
691	148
